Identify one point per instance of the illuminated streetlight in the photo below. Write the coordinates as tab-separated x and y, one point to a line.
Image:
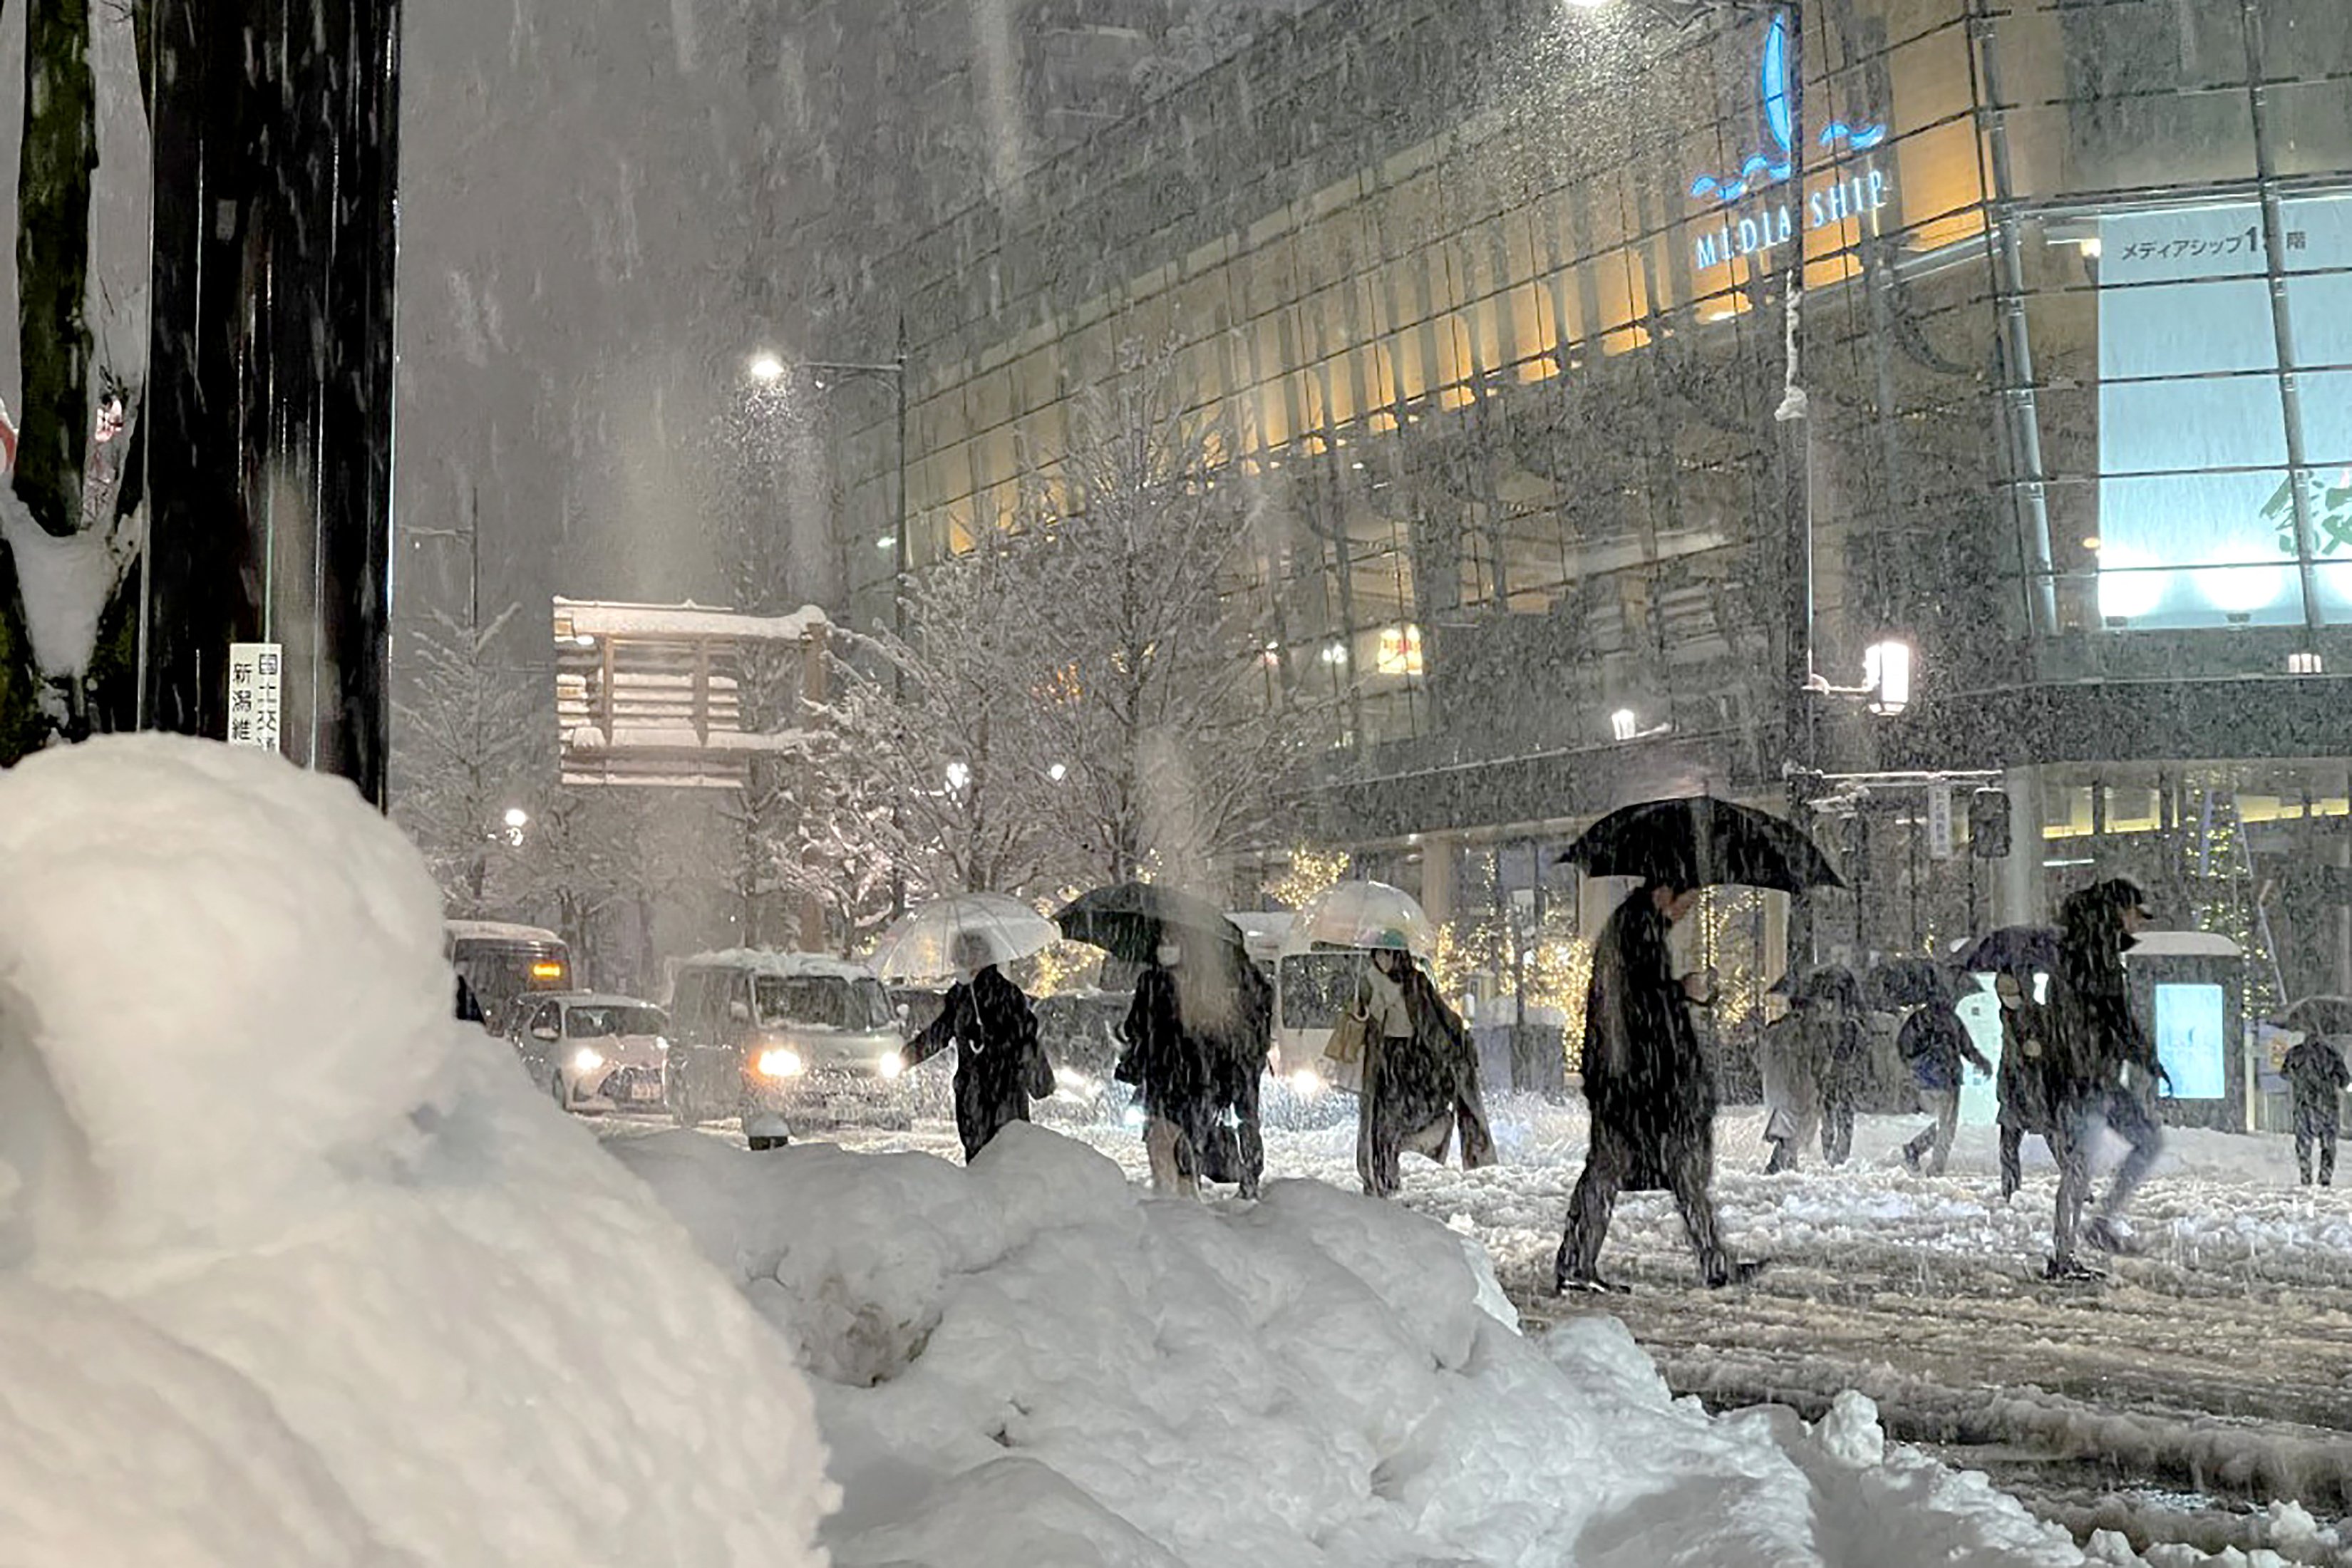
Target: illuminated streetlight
1886	673
767	367
517	817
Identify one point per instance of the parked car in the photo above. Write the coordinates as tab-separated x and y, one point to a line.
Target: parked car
594	1053
780	1039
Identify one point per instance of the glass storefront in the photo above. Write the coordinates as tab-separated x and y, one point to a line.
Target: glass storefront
1506	348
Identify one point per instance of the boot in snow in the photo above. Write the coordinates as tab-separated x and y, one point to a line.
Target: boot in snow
2108	1236
1740	1273
1587	1285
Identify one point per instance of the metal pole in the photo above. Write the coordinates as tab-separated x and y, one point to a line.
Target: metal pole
898	601
1796	500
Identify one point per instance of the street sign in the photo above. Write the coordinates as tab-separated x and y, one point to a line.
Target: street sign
1989	825
1940	820
254	676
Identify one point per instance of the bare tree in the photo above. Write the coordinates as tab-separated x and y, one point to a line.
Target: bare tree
1145	574
481	742
1086	695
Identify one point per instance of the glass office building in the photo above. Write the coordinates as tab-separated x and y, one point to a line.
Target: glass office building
1495	291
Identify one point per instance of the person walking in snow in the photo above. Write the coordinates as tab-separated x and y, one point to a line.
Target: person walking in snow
1845	1061
1792	1056
2315	1071
1650	1090
1932	1043
2022	1083
1172	1070
1241	1040
2102	1068
1420	1076
1001	1064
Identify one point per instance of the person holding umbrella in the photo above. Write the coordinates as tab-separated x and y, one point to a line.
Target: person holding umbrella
1172	1071
2103	1068
1001	1065
1183	1020
1421	1074
2020	959
1650	1088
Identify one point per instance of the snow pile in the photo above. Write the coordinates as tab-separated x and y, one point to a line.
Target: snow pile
1030	1362
293	1268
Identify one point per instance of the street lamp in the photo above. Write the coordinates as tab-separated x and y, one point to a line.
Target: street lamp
768	369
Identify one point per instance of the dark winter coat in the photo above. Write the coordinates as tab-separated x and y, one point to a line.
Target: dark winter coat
1416	1082
1932	1043
1847	1051
2023	1080
1644	1073
2315	1071
1174	1069
1001	1065
2094	1033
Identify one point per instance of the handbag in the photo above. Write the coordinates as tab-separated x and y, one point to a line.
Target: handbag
1343	1052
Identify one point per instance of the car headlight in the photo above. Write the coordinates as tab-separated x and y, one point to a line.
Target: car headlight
890	1064
780	1063
1305	1082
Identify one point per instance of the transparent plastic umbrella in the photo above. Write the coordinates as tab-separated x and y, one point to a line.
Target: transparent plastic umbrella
1366	915
939	939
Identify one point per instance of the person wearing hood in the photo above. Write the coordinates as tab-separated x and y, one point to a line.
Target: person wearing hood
2315	1072
2102	1068
1420	1076
1173	1071
1932	1043
1650	1090
1001	1064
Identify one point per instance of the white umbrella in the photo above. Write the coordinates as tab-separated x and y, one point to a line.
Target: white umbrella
932	940
1366	915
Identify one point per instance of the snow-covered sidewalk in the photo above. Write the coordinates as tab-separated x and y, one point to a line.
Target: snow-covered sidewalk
2219	1360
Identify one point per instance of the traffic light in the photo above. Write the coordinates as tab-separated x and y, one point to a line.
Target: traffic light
1989	825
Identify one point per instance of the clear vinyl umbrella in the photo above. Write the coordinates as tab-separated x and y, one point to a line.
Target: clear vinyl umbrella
945	936
1366	915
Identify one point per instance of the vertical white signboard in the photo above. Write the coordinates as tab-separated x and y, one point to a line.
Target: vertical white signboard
254	676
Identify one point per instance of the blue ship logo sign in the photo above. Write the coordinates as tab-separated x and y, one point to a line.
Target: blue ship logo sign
1768	224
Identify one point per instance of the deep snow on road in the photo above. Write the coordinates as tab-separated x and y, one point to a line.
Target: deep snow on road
2209	1377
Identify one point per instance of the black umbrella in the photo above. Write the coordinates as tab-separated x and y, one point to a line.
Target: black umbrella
1700	841
1833	984
1908	983
2319	1016
1128	921
2013	949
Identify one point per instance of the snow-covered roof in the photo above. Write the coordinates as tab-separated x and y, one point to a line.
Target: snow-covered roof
593	999
785	965
2185	944
681	737
497	930
600	617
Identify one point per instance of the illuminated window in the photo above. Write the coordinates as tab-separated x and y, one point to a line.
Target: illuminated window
1400	650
